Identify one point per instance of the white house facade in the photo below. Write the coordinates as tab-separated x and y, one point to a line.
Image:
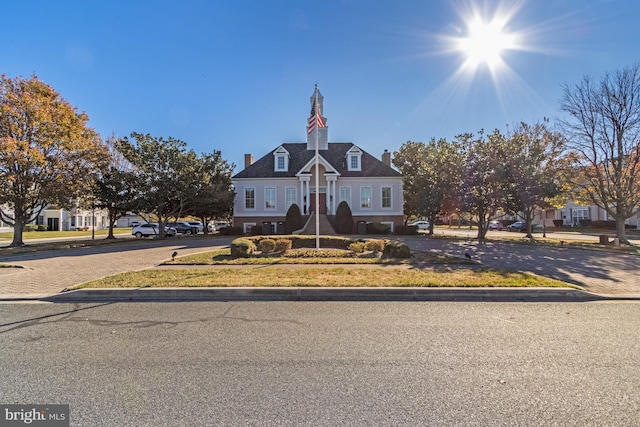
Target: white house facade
59	219
266	188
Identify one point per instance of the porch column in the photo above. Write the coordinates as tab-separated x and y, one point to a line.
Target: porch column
331	193
304	194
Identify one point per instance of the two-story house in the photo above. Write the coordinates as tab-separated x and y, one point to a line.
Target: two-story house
266	188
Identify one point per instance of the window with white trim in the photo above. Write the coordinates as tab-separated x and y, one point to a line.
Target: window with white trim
250	198
345	195
269	198
248	226
290	197
281	162
354	163
365	197
386	197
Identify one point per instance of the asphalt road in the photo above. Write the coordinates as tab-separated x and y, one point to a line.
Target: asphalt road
333	364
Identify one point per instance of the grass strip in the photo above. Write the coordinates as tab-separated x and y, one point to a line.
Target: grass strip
322	277
223	257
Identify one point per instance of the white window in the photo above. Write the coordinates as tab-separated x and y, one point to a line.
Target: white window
250	198
386	197
354	159
247	226
354	163
269	198
345	195
290	197
365	197
281	160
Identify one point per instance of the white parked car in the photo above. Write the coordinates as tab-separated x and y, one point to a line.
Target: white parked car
422	225
151	229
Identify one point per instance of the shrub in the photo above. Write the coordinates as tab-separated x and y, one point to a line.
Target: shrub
374	245
293	220
378	228
344	218
242	248
267	246
395	249
30	227
283	245
256	230
585	222
610	225
406	230
557	222
357	247
42	227
231	231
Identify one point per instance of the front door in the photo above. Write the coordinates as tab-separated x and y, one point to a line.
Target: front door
322	197
53	224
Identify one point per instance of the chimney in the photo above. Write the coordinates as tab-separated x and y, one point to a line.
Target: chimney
386	158
248	160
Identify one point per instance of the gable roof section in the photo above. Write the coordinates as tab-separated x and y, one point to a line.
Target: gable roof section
300	156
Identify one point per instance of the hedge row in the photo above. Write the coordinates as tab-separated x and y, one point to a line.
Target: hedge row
246	246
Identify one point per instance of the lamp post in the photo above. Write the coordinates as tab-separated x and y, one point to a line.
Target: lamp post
93	220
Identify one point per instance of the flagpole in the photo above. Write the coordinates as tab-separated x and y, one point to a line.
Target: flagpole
317	172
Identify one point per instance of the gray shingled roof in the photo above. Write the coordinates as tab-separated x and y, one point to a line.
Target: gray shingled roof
300	156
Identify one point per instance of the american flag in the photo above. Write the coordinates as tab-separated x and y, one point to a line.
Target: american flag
315	120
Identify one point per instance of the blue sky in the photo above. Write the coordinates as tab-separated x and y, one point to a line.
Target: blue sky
236	76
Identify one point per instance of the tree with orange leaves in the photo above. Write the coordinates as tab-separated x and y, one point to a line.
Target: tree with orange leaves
48	155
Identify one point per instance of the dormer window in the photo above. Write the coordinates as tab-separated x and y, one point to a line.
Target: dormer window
281	160
354	162
354	159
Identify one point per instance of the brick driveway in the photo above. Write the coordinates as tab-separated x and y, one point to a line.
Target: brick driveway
49	272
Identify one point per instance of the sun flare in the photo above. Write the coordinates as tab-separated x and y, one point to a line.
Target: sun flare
484	43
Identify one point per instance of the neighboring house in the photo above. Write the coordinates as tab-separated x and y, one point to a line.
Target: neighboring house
266	189
59	219
572	215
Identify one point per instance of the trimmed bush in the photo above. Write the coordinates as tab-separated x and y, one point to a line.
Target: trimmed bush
374	245
283	245
357	247
557	222
231	231
344	218
395	249
608	225
585	222
242	248
30	227
42	227
378	228
256	230
406	230
267	246
293	220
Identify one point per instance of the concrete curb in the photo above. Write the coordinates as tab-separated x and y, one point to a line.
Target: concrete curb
315	294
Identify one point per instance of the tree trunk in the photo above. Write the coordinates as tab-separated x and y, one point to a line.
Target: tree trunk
621	232
18	227
112	221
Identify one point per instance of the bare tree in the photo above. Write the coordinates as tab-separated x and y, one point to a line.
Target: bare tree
603	131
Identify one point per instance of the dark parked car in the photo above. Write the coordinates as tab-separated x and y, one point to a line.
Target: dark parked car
183	227
517	226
